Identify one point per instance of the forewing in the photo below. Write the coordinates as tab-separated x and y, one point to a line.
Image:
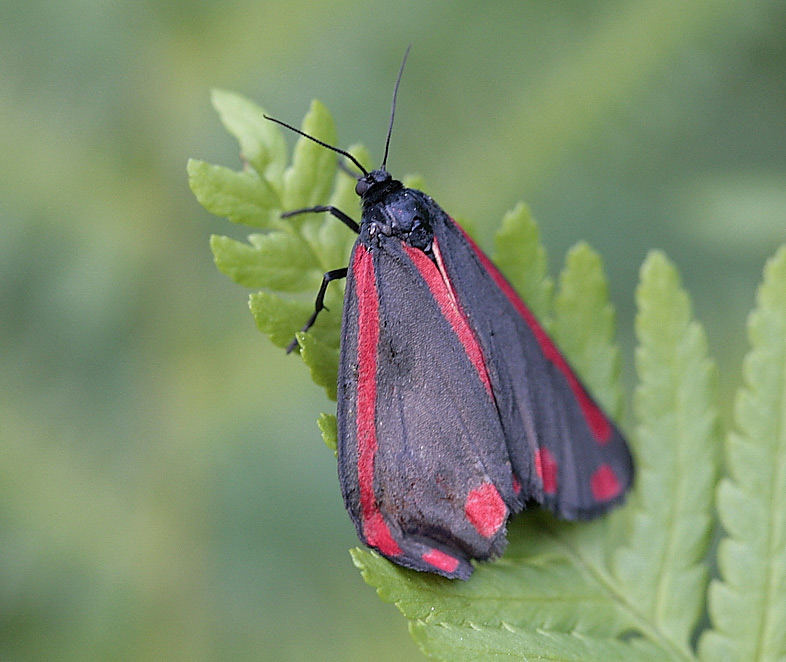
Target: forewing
564	449
422	458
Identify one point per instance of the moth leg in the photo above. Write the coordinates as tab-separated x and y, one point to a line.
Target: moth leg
330	209
319	304
335	274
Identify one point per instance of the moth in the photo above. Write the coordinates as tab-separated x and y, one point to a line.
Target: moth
455	408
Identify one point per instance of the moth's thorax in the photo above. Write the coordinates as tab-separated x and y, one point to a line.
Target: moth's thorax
391	210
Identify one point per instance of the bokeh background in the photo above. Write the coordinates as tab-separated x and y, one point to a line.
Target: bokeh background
164	492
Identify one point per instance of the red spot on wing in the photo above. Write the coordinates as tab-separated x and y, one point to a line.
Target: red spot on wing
375	529
485	509
604	483
596	419
440	560
516	485
443	294
546	467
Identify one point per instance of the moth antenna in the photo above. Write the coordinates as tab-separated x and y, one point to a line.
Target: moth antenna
393	108
345	168
319	142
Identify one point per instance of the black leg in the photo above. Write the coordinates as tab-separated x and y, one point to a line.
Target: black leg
319	304
340	215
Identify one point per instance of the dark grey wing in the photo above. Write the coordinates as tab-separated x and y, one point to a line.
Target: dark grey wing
422	459
566	452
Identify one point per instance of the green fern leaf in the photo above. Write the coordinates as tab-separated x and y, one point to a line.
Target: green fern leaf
278	317
322	360
296	251
661	570
470	643
522	258
242	197
275	260
537	584
328	426
747	604
261	142
583	326
308	181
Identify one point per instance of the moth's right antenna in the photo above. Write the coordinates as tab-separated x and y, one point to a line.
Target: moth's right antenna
393	108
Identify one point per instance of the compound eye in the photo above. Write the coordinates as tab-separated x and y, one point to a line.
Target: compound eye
362	186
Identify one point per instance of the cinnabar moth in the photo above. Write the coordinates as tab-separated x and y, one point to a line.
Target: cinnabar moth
455	408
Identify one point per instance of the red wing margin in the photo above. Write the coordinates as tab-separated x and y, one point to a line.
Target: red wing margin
566	452
422	458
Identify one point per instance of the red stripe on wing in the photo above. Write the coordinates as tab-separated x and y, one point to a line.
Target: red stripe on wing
375	529
443	294
596	419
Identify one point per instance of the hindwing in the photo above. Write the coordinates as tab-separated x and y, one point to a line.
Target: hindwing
566	452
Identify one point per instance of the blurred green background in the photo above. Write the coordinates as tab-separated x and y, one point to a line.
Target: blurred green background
164	492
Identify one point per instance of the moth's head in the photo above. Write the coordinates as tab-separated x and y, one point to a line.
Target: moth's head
376	178
376	187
